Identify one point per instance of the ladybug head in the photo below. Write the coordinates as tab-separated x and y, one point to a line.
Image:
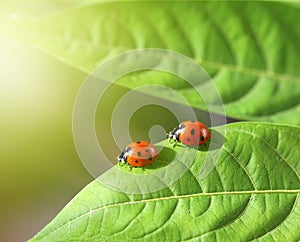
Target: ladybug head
174	134
122	157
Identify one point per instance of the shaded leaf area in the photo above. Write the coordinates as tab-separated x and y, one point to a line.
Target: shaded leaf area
250	49
251	193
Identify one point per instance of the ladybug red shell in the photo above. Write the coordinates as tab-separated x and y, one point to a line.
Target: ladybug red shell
139	153
191	133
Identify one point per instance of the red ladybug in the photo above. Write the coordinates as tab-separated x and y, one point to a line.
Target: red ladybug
191	133
139	153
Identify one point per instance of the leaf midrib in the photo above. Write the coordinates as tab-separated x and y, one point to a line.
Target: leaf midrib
252	192
202	195
262	73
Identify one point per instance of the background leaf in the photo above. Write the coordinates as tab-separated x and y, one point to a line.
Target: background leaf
252	193
249	48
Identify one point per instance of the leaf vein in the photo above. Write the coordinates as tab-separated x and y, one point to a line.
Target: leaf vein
230	222
240	164
283	220
224	36
272	148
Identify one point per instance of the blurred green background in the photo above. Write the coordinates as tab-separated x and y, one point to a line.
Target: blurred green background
40	171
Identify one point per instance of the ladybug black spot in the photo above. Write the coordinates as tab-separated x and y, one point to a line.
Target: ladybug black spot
138	142
139	154
146	150
136	161
188	139
150	158
202	138
192	131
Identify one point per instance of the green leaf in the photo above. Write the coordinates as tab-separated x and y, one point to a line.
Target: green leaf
251	193
251	49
